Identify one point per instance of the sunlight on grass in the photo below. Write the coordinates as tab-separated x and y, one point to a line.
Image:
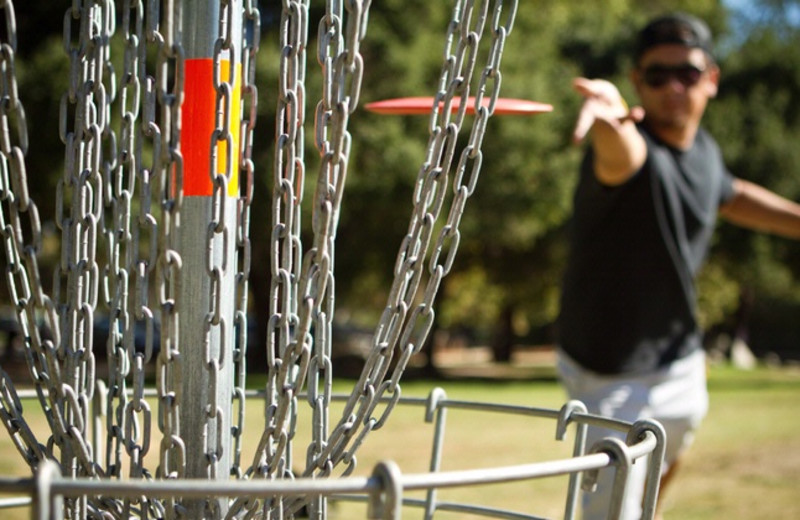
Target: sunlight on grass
745	462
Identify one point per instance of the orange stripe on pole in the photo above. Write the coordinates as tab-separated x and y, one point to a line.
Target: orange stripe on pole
198	121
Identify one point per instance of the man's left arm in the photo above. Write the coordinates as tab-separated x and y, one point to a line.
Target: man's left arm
757	208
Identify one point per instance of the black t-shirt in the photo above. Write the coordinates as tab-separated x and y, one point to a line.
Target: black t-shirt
627	302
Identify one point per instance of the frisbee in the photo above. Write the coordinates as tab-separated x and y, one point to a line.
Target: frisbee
423	105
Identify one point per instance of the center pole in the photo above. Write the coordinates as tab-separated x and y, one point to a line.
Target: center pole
211	37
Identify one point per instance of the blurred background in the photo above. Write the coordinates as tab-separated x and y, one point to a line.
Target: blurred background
503	290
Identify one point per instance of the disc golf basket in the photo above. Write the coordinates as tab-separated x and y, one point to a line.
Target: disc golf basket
153	210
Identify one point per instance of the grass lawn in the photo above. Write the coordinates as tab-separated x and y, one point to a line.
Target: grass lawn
746	459
745	462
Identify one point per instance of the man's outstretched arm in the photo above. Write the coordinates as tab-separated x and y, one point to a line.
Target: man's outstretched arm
757	208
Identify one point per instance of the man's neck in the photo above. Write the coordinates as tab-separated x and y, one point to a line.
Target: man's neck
680	137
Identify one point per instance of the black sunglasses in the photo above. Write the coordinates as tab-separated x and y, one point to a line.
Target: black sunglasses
659	75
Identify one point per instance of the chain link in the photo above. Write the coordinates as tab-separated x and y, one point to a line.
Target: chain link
408	319
82	186
22	274
342	70
169	83
168	372
251	35
95	203
271	459
118	235
218	235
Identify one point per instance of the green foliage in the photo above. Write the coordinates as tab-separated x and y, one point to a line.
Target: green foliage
513	228
756	119
512	249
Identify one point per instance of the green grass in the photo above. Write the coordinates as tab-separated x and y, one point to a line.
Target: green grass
745	462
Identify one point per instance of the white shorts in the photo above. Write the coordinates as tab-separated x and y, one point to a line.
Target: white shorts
676	396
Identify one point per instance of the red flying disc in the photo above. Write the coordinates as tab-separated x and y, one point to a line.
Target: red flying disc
423	105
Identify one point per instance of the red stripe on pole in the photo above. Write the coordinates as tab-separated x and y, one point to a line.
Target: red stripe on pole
198	121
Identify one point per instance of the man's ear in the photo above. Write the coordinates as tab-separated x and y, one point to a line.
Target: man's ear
712	83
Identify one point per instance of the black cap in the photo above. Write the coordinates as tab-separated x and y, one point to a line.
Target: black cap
680	28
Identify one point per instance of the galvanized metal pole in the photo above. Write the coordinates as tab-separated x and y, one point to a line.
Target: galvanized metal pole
211	39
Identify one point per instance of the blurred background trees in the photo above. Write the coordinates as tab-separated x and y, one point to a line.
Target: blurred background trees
503	289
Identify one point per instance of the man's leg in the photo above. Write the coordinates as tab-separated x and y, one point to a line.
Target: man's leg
618	399
679	403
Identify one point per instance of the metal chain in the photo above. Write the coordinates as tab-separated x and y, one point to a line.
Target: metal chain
251	36
123	177
271	456
168	370
168	82
342	70
218	235
290	344
21	270
250	42
142	252
119	191
148	166
406	320
99	176
81	188
79	199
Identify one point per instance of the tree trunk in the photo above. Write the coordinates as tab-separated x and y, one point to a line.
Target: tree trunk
503	338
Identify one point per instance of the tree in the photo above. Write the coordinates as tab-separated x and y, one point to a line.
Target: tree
507	272
757	121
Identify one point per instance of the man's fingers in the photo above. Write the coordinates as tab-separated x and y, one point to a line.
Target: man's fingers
594	110
602	102
583	86
586	119
595	88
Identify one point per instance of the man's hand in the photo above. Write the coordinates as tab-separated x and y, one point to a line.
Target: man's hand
603	102
619	148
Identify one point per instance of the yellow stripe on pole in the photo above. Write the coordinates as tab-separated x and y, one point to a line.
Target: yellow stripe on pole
198	121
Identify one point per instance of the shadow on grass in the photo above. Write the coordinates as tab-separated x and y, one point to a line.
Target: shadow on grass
484	373
762	378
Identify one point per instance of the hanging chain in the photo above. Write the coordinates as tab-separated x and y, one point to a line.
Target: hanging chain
142	252
342	70
407	320
140	234
82	188
250	41
106	194
218	232
271	457
96	175
170	194
251	36
119	191
22	273
302	294
162	115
